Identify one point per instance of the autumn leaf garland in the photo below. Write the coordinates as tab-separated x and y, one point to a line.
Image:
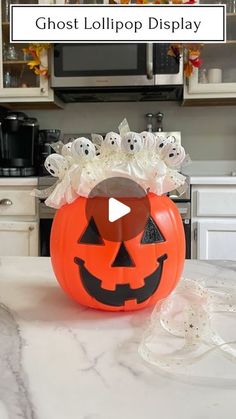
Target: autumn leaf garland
36	64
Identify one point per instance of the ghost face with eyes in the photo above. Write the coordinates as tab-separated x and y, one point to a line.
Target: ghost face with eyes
56	165
173	155
82	149
112	141
132	143
162	140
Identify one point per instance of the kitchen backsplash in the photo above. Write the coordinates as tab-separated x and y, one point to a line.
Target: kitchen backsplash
208	133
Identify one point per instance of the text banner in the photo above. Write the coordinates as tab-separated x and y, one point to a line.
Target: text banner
126	23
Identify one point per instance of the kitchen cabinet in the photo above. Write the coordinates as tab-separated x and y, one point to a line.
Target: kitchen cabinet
214	222
18	238
215	81
19	84
18	220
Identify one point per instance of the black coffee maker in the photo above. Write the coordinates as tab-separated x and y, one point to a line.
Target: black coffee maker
18	145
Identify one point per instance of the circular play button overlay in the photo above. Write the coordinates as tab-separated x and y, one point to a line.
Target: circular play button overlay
117	210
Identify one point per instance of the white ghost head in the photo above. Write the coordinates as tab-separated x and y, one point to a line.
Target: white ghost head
56	165
162	140
173	155
149	139
82	148
66	150
132	143
112	141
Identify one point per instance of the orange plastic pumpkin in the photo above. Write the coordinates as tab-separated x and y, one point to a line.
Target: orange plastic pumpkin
118	276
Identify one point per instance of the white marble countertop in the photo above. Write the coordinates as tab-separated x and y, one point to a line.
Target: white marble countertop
59	360
18	181
211	172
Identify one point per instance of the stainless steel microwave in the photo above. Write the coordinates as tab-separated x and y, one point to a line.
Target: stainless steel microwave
119	71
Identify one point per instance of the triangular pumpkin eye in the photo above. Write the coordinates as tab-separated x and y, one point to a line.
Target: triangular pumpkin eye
151	233
91	235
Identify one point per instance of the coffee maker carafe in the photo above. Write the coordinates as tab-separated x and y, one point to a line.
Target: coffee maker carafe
18	145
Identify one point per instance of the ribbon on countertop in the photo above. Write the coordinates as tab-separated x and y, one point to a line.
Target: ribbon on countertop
190	325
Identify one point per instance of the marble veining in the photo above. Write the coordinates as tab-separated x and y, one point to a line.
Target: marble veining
14	391
59	360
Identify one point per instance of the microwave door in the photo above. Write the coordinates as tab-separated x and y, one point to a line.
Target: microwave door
167	70
102	65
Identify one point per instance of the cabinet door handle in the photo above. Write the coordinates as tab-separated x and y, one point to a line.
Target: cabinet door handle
31	228
6	202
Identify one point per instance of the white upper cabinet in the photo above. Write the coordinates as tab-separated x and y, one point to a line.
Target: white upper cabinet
216	78
17	82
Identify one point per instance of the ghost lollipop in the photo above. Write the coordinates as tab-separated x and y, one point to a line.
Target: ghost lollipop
173	155
82	149
86	171
57	166
162	140
133	163
132	143
110	145
112	141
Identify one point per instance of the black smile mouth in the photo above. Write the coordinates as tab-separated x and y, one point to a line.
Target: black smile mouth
123	292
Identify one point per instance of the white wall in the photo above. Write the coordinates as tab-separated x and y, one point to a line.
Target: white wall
208	133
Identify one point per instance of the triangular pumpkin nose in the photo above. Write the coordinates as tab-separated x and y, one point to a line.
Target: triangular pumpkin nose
122	258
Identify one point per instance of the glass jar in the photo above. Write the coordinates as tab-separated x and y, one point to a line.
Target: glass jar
12	53
7	79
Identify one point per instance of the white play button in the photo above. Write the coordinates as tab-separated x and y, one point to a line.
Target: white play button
117	209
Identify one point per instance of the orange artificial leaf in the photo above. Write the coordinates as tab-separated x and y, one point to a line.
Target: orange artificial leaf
188	69
36	51
33	63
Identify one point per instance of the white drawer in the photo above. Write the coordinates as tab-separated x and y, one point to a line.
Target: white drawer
17	202
216	202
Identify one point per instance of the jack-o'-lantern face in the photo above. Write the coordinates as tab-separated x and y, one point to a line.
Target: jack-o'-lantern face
123	292
117	276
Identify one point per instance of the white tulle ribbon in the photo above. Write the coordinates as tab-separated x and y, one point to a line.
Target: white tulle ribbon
123	127
189	325
44	193
82	164
57	147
